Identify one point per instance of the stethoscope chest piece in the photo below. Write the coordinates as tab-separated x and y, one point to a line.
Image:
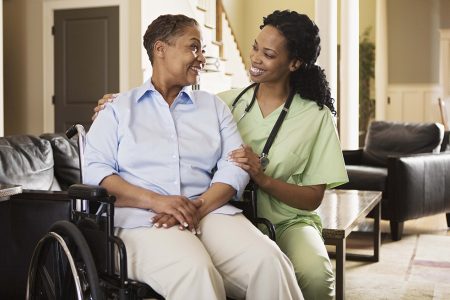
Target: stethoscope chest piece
264	161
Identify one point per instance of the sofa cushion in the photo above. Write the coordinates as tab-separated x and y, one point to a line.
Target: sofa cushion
390	138
66	158
366	178
26	160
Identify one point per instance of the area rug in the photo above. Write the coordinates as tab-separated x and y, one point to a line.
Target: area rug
416	267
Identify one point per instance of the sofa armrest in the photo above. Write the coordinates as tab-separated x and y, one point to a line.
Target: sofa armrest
352	157
419	184
24	219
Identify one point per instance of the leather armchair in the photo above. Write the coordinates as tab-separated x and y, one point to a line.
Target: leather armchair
409	164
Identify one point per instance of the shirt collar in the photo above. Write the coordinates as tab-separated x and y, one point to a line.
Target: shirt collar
186	95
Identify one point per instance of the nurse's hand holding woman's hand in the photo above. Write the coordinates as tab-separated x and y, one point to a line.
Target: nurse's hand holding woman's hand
248	160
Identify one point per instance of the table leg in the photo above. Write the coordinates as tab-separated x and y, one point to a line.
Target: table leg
377	233
340	269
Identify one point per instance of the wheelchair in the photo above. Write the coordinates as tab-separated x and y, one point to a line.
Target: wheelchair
81	258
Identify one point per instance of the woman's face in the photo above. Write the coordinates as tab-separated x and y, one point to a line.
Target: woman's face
184	57
269	57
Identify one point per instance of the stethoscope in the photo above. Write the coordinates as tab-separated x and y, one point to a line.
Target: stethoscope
263	157
250	105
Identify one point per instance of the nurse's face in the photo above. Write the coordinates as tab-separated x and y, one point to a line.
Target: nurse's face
269	57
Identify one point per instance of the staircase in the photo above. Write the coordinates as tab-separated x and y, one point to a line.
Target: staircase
224	67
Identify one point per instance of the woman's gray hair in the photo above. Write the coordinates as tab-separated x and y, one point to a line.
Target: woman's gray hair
164	28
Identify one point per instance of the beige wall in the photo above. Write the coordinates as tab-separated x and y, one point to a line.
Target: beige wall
413	40
236	16
246	17
444	8
135	43
23	67
367	17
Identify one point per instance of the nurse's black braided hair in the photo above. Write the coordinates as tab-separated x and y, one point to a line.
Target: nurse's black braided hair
303	43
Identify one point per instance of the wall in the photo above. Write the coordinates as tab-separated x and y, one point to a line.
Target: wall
246	17
250	14
413	41
367	17
444	11
135	43
23	62
413	54
236	17
23	66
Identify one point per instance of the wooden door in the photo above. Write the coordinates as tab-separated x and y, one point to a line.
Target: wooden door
86	62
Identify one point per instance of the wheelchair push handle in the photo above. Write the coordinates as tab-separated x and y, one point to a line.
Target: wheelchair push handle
75	129
78	129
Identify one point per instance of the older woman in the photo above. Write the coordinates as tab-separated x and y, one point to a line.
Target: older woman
155	150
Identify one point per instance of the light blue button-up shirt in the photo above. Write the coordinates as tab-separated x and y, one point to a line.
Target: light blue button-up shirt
169	150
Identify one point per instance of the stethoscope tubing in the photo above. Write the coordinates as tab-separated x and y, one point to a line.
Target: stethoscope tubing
264	160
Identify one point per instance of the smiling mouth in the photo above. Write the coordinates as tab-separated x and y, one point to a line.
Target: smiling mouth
196	69
255	71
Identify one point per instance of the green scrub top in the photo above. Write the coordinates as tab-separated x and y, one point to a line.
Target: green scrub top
306	151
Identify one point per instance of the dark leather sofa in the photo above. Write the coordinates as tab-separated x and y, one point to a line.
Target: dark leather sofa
43	166
410	164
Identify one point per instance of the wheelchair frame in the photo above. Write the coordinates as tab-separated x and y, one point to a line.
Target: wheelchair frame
88	268
68	263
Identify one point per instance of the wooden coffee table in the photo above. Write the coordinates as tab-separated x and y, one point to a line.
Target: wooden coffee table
7	190
341	211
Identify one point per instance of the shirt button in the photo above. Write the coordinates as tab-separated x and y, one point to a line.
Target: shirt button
174	156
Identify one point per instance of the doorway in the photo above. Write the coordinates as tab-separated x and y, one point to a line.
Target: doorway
86	62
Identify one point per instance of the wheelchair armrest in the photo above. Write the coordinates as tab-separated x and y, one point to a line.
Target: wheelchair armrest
90	192
247	207
269	226
352	157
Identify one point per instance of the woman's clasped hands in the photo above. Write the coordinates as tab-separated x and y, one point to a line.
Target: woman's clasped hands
177	210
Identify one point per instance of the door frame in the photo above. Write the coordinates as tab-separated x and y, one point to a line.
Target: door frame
48	49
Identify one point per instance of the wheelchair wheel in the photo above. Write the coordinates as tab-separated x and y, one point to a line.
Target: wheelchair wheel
62	266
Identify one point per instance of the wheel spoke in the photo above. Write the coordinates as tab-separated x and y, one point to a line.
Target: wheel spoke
46	283
62	266
58	269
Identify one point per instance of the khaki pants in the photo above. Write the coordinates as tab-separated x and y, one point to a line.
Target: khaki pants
230	257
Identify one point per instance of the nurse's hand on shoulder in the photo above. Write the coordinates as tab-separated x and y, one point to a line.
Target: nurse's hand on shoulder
101	103
248	160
